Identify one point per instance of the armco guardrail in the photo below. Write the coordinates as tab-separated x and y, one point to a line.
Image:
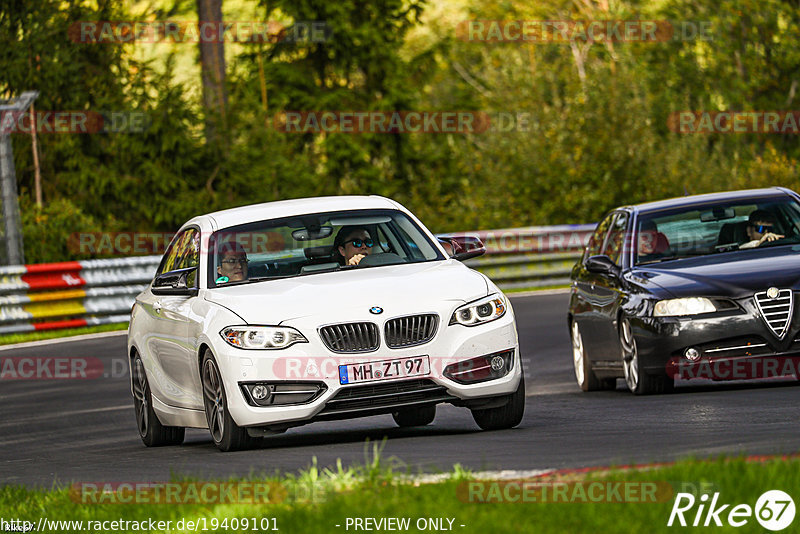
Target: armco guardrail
50	296
531	257
80	293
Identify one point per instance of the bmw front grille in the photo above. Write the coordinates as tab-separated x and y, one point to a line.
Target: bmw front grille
350	337
410	330
399	333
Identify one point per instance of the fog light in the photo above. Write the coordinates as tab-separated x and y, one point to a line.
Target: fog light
498	363
281	393
481	369
692	354
260	392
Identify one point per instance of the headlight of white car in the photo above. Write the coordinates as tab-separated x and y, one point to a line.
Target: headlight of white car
262	337
481	311
684	306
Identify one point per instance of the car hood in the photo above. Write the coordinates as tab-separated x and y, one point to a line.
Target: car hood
734	274
349	295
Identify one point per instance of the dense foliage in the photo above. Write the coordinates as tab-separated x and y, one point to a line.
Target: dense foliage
597	114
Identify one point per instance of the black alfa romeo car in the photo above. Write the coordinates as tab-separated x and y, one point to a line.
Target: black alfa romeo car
692	287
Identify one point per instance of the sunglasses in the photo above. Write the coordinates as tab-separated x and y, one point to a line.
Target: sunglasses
358	243
762	228
240	261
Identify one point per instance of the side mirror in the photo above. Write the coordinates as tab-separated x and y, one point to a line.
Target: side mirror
464	246
601	264
175	282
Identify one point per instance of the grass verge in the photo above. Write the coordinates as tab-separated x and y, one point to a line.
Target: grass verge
10	339
329	501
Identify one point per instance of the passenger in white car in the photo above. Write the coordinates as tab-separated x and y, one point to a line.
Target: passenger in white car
232	263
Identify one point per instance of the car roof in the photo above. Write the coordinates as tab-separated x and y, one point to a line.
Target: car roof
710	198
291	208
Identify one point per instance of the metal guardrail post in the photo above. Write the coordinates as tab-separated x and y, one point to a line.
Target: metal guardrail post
13	250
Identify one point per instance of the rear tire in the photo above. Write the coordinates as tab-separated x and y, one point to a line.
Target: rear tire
640	383
227	435
584	375
421	416
506	416
152	432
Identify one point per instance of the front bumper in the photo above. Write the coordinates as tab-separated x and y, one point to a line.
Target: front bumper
731	345
312	363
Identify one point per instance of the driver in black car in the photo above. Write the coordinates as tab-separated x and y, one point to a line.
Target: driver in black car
353	244
760	226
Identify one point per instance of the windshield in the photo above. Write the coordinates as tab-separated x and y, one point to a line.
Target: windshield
716	228
314	243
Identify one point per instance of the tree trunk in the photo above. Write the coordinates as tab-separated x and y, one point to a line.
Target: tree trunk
212	65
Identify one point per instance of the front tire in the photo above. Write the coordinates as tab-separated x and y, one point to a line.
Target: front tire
639	382
227	435
421	416
583	370
506	416
152	432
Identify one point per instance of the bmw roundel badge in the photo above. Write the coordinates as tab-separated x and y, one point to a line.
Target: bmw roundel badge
376	310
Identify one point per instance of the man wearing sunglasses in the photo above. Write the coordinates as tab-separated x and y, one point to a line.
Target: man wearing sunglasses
353	244
760	226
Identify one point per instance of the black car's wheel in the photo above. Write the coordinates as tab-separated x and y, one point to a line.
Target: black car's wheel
507	416
421	416
583	370
638	382
152	432
227	435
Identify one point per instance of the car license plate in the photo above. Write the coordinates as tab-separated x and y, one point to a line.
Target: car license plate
384	370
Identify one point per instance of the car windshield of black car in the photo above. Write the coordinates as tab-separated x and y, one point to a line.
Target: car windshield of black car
710	229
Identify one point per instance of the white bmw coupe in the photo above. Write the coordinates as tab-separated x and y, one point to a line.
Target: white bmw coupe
271	316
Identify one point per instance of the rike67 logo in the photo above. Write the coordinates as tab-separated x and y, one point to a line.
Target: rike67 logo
774	510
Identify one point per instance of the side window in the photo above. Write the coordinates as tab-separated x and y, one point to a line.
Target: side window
170	256
596	241
189	254
615	242
183	252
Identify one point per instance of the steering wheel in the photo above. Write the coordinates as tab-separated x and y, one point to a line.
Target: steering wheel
381	258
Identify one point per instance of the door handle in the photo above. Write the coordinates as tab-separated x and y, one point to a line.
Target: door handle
157	306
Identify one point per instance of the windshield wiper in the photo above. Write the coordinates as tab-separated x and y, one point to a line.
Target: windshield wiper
659	260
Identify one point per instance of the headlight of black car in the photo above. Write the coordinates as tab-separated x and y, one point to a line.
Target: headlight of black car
690	306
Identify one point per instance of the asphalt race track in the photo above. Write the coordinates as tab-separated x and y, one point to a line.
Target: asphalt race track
84	430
